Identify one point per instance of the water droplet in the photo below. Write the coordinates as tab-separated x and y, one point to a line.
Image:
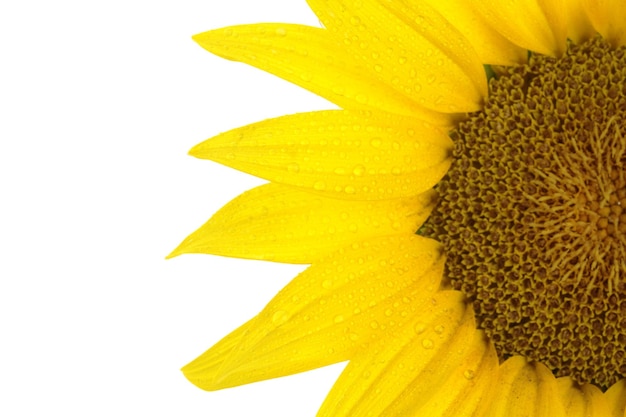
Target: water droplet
427	344
419	328
350	189
469	374
378	68
358	170
376	142
338	89
339	318
439	329
374	324
280	317
353	336
319	185
388	312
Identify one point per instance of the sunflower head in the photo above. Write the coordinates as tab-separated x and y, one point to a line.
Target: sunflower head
463	212
531	214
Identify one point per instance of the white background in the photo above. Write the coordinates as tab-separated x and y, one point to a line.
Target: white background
99	104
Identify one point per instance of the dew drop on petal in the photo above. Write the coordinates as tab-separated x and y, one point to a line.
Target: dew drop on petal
319	185
419	328
280	317
361	98
469	374
439	329
358	170
427	344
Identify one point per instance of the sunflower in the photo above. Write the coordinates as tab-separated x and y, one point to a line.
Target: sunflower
462	211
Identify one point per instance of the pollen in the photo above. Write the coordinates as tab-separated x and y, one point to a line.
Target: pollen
532	213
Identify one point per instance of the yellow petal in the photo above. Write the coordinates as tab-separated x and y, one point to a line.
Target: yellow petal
336	307
521	21
410	47
579	27
312	59
525	389
609	18
340	154
278	223
491	46
616	397
203	369
436	365
471	364
556	13
582	401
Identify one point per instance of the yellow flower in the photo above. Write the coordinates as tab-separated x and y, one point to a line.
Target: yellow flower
496	130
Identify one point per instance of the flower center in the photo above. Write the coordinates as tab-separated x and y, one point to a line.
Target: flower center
532	213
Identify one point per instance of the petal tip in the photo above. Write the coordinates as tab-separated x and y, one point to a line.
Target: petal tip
179	250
